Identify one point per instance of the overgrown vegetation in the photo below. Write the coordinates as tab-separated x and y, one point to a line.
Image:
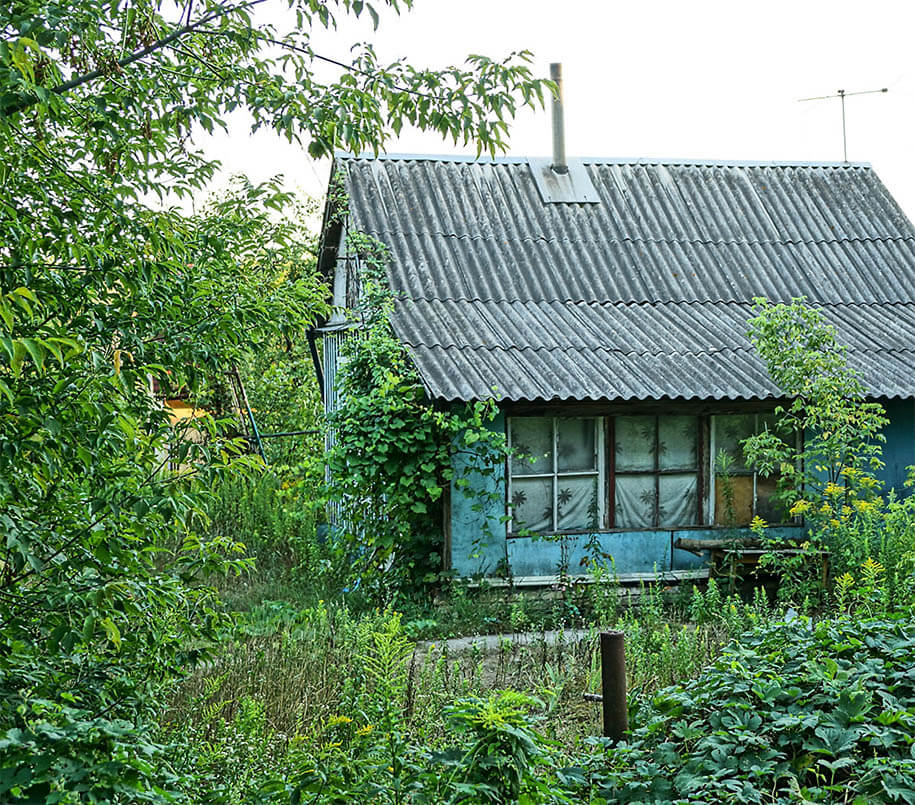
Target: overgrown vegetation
391	462
105	557
175	623
796	712
728	702
283	663
832	480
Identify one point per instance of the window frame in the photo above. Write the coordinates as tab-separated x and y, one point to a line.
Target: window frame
605	448
656	473
600	473
713	477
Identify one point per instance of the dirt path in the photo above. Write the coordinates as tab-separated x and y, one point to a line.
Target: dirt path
493	642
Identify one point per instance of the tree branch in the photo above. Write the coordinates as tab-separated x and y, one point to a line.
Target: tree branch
350	68
159	44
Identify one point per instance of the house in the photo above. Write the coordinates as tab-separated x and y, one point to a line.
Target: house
605	309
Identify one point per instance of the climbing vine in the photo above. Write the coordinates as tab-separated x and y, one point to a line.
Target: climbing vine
391	463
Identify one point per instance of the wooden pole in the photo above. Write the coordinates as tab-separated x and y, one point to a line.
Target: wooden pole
613	684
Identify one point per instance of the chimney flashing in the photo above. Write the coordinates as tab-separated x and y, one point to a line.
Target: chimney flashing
572	187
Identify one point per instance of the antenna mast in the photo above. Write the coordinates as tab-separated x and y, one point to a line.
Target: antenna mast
842	95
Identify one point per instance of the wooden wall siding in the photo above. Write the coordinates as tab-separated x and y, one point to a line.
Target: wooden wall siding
899	450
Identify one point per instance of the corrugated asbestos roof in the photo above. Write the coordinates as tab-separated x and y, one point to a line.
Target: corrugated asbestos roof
644	295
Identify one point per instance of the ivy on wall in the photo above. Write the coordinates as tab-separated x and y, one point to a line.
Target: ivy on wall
392	460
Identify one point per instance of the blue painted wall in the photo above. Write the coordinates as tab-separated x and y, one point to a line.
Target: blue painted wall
479	545
899	450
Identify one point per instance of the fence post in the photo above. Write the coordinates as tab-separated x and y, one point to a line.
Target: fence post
613	684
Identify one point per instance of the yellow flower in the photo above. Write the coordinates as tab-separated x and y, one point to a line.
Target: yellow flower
336	721
800	507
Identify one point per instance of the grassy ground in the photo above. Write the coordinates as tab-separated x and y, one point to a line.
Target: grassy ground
305	657
304	666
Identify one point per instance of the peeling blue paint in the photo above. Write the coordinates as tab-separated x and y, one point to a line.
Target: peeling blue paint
479	546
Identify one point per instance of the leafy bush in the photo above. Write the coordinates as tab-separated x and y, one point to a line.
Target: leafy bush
831	478
493	754
792	712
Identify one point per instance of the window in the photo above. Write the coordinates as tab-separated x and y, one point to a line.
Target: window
655	471
741	493
644	471
556	474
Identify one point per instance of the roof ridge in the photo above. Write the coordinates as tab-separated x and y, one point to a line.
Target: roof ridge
510	159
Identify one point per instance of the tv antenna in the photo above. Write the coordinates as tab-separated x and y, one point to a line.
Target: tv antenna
842	95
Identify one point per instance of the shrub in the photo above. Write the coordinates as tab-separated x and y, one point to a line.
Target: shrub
791	712
829	477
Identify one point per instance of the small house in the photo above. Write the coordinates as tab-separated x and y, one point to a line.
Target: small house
603	304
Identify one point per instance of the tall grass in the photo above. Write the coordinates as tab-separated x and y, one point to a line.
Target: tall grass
275	515
306	666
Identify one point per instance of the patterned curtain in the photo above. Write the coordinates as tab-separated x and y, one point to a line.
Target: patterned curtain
656	463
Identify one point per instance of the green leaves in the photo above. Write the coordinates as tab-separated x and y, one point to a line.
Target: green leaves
820	731
826	449
112	299
392	456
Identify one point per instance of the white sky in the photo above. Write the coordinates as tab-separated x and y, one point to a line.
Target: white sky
662	78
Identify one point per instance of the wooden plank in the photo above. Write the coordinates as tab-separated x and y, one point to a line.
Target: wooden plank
667	576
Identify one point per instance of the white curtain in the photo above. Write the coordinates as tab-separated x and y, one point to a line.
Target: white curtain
532	504
577	502
678	501
635	501
650	448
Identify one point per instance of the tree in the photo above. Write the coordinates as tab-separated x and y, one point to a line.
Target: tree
827	447
101	291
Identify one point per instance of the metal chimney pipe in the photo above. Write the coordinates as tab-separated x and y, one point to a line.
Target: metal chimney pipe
559	136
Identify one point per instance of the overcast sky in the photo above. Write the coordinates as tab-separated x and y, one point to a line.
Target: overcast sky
662	78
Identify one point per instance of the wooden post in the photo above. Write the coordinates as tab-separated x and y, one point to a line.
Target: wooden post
613	684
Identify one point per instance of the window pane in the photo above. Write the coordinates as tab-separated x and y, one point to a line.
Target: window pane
635	443
635	500
741	504
577	440
532	504
677	442
678	504
730	430
767	422
532	445
577	503
770	510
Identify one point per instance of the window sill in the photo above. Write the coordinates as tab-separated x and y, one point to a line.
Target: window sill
650	529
